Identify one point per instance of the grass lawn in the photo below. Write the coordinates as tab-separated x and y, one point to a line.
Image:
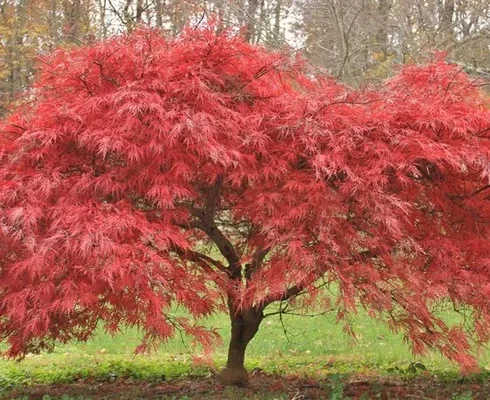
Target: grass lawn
315	356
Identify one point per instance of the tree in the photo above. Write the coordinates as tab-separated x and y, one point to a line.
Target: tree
28	28
136	156
362	40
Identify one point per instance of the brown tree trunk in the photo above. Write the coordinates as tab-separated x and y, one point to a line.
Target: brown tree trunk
251	23
159	13
139	11
384	7
446	21
73	14
244	326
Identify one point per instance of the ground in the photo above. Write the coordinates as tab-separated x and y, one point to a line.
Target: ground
315	359
264	387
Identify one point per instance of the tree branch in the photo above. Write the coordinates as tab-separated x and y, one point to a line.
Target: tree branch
293	291
194	256
257	259
466	196
477	134
201	260
213	196
478	191
205	221
118	14
100	64
219	239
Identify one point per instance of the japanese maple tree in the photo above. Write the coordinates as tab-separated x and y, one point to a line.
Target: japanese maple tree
134	157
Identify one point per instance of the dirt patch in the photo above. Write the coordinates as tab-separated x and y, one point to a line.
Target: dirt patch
265	387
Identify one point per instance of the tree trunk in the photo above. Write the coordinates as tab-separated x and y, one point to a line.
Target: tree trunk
384	7
73	14
446	21
244	326
251	22
159	13
139	11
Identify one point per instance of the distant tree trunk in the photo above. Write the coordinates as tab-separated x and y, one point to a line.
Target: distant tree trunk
53	23
16	51
446	21
72	28
102	16
159	13
263	16
277	21
244	326
127	17
384	7
139	11
251	12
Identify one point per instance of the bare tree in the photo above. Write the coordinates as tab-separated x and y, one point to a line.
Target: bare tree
340	34
361	40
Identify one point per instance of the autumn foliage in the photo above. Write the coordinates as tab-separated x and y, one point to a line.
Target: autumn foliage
144	173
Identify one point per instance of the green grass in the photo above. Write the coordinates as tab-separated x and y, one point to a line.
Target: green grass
313	346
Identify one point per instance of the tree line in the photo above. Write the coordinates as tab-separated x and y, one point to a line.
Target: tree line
357	41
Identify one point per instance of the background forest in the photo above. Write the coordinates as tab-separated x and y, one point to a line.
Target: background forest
357	41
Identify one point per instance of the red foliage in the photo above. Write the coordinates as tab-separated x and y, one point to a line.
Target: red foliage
137	154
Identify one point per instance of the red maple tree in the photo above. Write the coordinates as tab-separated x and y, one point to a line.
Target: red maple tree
134	157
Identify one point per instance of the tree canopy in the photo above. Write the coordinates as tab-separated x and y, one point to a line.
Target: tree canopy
205	172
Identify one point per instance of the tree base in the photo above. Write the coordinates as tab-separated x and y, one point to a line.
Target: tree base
234	377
